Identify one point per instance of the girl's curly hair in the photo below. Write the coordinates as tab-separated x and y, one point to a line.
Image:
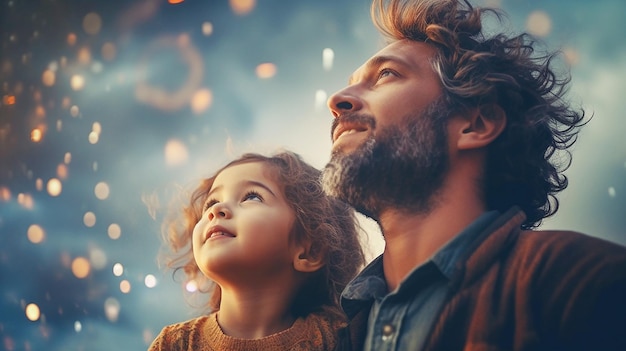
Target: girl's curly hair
479	72
328	224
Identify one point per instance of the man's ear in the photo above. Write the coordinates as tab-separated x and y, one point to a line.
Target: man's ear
480	127
305	261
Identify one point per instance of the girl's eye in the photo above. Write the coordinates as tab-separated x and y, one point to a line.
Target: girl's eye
208	204
253	196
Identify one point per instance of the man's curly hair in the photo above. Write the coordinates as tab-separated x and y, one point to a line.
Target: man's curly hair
328	224
477	71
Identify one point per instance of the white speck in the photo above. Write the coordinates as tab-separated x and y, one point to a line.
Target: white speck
612	192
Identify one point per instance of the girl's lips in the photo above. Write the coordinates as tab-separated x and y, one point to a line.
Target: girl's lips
217	232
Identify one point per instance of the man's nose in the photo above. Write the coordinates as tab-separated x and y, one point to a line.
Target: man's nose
344	101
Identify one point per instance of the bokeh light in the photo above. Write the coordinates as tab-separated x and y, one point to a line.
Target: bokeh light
102	190
114	231
74	111
191	286
207	28
92	23
71	39
48	77
77	82
201	101
36	234
125	286
5	193
242	7
320	99
25	200
93	137
612	192
84	56
539	23
118	269
328	57
62	171
32	312
81	267
36	135
176	153
109	51
158	97
266	70
89	219
112	309
54	187
150	281
97	258
572	57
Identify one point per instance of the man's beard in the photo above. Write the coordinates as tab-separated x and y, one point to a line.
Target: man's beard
401	166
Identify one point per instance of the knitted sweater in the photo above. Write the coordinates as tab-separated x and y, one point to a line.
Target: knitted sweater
315	332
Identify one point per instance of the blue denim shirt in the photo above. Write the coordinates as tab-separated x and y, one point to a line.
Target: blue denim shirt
402	319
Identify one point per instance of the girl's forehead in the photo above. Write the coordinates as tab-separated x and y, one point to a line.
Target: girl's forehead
248	172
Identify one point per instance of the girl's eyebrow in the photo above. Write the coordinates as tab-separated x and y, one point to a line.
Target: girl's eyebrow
259	184
244	183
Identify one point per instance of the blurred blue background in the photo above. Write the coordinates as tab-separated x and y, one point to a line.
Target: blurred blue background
105	103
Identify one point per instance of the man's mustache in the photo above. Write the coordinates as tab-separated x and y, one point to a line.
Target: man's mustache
353	118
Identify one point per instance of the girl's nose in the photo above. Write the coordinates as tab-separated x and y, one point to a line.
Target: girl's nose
219	210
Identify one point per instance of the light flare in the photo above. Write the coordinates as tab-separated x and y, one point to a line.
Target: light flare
81	267
114	231
102	190
36	234
54	187
32	312
89	219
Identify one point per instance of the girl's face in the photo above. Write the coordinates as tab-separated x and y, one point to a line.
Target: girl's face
243	234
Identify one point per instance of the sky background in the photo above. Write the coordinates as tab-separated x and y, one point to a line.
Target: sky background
106	103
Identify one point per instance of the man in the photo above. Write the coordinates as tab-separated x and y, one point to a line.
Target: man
446	138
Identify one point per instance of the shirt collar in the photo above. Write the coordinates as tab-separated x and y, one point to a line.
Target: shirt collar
447	257
370	283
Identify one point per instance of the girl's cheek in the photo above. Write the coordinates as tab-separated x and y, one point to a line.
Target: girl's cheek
197	229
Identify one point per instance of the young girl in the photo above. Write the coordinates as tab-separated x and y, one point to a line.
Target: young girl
274	252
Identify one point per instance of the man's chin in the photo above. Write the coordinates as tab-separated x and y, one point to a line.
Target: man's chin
339	180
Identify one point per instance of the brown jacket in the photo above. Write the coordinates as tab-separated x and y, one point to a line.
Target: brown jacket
529	290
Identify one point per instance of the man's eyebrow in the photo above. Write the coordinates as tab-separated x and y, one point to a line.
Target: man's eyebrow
375	62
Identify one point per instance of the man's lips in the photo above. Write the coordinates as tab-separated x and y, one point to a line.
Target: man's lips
217	231
347	128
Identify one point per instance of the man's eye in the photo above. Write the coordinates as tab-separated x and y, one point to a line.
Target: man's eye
385	72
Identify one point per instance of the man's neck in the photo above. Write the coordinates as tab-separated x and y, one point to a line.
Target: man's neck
413	238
